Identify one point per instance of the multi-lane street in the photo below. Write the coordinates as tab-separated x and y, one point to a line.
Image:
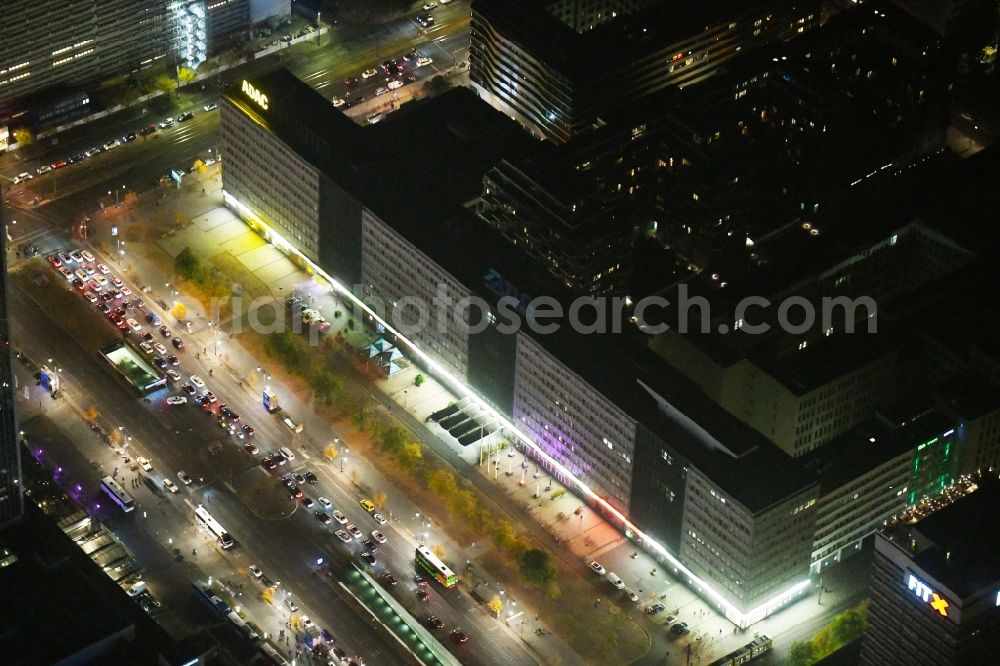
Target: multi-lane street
180	437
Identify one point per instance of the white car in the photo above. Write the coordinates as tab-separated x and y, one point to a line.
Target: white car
125	290
114	143
355	532
324	502
103	269
170	485
133	324
160	349
101	280
45	168
596	567
423	61
211	106
88	257
144	464
382	90
117	281
369	73
427	6
337	102
255	571
379	518
343	536
197	381
174	375
339	517
176	400
393	85
90	296
21	177
378	536
169	122
185	479
306	623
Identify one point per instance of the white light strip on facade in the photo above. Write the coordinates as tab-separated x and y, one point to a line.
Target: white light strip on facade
733	614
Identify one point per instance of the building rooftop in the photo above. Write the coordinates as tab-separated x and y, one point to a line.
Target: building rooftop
849	456
466	248
970	396
456	130
957	544
46	582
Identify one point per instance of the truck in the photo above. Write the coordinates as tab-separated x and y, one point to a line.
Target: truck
270	401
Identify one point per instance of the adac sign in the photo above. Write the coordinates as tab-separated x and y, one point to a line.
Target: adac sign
924	592
259	98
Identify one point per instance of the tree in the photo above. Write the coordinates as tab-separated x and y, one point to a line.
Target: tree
179	311
801	654
186	76
847	626
495	605
823	643
187	264
91	414
437	85
419	380
267	594
379	498
437	550
324	384
442	483
331	452
392	438
23	136
165	84
410	455
536	566
504	536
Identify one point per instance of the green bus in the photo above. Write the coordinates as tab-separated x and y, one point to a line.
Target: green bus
435	567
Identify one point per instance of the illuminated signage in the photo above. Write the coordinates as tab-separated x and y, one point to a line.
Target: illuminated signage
257	96
927	595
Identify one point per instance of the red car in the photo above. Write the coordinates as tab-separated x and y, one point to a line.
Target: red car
54	260
60	164
251	449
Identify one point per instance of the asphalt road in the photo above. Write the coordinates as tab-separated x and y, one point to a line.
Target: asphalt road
177	438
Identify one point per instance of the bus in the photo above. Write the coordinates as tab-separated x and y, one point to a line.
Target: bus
213	526
118	494
435	567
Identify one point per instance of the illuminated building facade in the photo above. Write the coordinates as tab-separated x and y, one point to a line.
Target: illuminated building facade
62	43
636	441
935	587
558	78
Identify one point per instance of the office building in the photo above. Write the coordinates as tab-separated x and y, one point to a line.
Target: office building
864	476
11	500
559	78
73	44
636	440
974	403
60	49
935	586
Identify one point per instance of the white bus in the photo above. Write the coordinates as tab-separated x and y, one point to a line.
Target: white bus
118	494
213	526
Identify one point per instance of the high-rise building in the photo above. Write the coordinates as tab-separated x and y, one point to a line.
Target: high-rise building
935	586
11	499
638	442
53	50
51	43
559	76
